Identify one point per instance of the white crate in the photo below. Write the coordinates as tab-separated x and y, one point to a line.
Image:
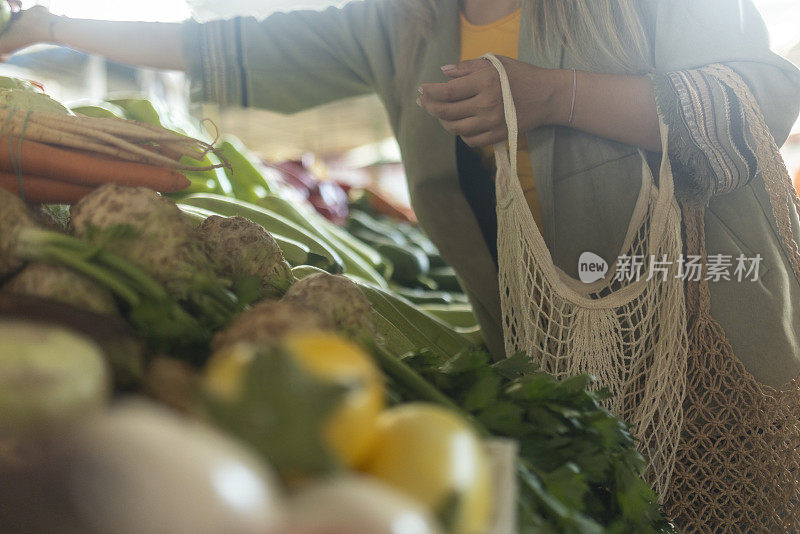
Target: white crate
502	459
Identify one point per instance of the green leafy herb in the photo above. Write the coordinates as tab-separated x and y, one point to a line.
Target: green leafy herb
579	470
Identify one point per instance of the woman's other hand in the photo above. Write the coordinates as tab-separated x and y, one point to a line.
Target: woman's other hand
470	105
27	28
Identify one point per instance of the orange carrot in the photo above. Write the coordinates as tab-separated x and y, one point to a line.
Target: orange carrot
387	207
80	168
797	180
120	140
43	190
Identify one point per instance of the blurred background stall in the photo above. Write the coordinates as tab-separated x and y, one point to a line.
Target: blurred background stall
349	140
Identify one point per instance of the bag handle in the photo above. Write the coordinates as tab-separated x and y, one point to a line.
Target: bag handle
510	111
666	184
510	191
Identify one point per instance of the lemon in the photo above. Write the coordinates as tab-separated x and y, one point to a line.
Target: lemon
433	455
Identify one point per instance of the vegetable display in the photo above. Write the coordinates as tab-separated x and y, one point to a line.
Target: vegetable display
339	300
578	468
303	376
272	222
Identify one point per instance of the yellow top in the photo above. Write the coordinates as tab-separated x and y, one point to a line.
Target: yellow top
502	38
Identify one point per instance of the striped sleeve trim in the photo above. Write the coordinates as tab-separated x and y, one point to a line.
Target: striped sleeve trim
221	74
709	136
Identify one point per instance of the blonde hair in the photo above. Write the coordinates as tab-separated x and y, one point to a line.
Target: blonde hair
614	27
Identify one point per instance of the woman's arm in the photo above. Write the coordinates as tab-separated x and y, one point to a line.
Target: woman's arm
287	62
616	107
149	44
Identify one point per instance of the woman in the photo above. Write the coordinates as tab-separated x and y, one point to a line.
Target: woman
634	61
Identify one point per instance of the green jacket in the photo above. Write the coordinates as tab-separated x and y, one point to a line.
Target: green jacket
587	185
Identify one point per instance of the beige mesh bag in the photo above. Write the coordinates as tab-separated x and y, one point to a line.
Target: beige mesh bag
738	461
629	331
723	449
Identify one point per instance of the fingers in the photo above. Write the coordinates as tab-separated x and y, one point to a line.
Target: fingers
452	91
469	127
464	68
485	138
470	105
451	111
473	131
478	80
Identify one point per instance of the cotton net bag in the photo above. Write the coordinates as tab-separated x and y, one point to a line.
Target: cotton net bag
723	450
627	331
737	466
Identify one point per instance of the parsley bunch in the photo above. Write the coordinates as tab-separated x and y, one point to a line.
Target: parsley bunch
579	470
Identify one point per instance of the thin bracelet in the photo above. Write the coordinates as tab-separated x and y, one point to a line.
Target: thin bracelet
574	92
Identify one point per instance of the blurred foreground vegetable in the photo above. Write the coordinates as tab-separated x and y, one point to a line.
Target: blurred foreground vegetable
332	393
267	398
140	468
352	504
49	376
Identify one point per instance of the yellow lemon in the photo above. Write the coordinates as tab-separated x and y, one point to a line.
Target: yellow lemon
433	455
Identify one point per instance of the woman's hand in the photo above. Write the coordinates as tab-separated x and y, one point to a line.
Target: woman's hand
471	104
28	27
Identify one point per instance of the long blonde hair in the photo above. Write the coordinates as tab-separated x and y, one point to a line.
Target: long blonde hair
615	28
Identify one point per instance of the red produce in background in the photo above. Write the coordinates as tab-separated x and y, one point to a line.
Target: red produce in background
328	198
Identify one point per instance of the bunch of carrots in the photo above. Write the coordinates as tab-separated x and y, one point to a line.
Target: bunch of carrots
51	158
